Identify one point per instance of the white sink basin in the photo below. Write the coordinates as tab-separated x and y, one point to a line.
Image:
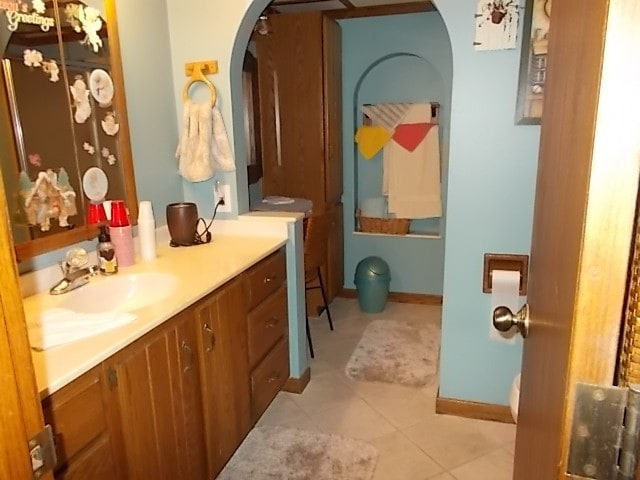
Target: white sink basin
123	293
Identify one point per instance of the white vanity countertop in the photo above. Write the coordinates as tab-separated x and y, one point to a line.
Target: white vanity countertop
200	269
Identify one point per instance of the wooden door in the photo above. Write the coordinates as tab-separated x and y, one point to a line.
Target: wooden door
332	71
292	107
585	202
20	410
335	254
221	321
155	383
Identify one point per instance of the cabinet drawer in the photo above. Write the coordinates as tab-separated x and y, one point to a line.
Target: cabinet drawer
268	377
76	415
265	278
267	323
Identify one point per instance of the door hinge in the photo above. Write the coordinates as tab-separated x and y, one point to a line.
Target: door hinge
42	451
605	433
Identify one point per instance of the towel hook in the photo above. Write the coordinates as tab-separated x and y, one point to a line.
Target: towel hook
197	72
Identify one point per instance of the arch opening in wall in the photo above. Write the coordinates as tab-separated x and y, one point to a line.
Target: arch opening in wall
242	106
397	78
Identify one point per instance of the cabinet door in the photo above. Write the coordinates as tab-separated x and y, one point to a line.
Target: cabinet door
273	179
332	61
157	388
335	254
79	417
221	320
292	106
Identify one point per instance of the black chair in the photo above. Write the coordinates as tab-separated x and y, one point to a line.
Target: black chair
316	238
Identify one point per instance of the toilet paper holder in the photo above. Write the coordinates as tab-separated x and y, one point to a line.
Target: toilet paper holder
505	261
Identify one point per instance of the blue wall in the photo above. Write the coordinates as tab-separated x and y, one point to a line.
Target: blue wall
146	61
492	169
492	172
393	59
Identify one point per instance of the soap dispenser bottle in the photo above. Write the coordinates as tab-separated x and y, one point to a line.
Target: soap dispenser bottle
108	263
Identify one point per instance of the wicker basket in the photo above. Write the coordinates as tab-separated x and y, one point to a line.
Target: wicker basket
390	226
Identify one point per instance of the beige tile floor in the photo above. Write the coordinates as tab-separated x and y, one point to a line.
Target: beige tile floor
414	443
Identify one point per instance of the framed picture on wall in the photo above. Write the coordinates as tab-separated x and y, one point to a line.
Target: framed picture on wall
533	62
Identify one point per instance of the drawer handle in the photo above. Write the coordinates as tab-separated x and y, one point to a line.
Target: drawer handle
212	337
185	346
269	279
273	378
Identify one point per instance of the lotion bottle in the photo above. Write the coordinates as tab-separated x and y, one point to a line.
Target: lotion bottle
108	263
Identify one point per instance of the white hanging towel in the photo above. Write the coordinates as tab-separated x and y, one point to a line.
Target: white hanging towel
220	147
203	143
411	179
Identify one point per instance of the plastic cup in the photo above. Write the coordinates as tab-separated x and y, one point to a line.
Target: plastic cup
119	216
122	240
96	214
145	211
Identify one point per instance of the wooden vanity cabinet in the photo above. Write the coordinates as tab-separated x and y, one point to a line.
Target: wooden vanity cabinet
268	328
178	402
222	351
79	417
155	384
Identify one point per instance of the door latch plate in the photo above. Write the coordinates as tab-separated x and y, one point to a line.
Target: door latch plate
42	451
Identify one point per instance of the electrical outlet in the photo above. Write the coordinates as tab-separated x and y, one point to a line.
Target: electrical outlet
222	190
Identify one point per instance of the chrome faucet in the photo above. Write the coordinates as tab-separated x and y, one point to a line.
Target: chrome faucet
75	272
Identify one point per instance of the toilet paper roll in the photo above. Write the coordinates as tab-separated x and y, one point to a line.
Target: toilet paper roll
505	288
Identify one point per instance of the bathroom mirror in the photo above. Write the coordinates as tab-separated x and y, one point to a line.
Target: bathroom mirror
65	146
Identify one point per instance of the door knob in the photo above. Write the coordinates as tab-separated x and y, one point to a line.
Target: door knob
504	319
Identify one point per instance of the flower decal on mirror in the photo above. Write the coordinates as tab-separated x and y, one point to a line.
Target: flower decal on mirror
110	157
87	147
109	124
32	58
87	20
50	67
38	6
80	94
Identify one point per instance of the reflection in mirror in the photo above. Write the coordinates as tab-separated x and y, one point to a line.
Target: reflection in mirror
66	144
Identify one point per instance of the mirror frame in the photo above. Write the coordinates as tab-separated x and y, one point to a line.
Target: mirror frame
31	248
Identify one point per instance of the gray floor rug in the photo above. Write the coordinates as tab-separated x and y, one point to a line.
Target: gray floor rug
277	453
399	352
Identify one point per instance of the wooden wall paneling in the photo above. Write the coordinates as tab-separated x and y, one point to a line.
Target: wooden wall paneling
332	87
